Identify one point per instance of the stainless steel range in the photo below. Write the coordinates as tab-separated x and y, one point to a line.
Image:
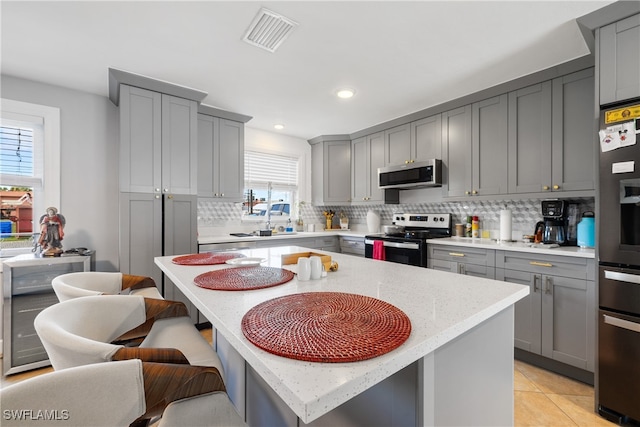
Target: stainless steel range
407	243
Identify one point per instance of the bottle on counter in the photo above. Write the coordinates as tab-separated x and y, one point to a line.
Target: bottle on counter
467	232
475	227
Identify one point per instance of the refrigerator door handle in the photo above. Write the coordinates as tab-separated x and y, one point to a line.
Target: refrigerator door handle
622	277
621	323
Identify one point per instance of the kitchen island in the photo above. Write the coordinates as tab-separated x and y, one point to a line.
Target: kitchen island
456	367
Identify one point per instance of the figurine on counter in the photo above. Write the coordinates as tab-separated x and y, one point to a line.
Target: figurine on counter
51	232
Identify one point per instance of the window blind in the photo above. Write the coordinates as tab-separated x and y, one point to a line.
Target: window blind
16	151
262	168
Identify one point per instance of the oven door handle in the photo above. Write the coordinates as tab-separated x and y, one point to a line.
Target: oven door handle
621	323
414	246
622	277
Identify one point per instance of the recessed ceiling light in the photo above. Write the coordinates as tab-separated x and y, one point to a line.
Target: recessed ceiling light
345	93
279	126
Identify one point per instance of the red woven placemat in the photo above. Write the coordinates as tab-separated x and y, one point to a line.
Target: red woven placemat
243	278
206	258
326	327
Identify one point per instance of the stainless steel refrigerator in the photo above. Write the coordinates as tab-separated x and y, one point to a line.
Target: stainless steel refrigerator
618	375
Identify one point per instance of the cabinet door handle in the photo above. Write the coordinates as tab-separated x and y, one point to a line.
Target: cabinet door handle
406	162
461	269
545	187
467	193
556	187
548	285
166	190
157	196
170	196
157	190
474	192
541	264
455	254
535	283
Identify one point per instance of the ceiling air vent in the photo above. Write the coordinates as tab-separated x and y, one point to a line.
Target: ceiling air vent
268	30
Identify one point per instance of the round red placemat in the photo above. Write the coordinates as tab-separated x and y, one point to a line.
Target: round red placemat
243	278
326	327
206	258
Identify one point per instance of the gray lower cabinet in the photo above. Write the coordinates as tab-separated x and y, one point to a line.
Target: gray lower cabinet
462	260
331	170
220	159
352	245
619	60
557	319
152	225
367	155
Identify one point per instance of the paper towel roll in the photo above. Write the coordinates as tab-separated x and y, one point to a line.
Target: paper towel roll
505	224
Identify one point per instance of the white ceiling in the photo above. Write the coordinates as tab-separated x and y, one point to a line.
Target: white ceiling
400	57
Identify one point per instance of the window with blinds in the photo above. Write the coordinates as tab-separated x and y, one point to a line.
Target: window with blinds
16	151
17	181
262	170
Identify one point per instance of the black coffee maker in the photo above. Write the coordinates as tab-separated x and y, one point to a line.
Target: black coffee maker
554	225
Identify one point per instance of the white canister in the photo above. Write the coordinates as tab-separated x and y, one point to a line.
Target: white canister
304	269
316	267
311	227
373	221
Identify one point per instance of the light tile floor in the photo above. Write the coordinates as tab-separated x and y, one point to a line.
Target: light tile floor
542	398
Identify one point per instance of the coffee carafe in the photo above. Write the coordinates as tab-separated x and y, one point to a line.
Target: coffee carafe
554	222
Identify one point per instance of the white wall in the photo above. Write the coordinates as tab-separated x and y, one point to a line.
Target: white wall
88	162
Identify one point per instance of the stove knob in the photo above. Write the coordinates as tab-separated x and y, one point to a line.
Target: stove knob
435	219
442	219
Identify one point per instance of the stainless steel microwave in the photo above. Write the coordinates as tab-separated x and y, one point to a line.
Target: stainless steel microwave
411	175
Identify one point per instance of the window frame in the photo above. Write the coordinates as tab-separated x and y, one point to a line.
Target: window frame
46	153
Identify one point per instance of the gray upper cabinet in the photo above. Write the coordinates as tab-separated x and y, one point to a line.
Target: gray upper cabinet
552	136
426	138
158	142
573	153
397	145
619	60
367	155
489	146
331	171
456	148
414	142
220	158
530	139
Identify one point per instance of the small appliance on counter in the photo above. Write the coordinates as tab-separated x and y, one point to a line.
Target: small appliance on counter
553	228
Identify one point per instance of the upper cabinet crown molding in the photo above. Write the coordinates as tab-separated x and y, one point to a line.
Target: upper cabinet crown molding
216	112
120	77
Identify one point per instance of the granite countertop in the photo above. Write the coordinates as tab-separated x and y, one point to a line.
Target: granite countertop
440	305
533	248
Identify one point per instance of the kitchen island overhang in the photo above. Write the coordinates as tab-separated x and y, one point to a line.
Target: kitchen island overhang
444	309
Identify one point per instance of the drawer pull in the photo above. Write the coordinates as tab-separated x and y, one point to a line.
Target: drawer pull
541	264
455	254
621	323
